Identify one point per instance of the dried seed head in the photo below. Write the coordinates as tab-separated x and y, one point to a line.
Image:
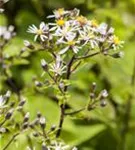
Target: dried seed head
39	114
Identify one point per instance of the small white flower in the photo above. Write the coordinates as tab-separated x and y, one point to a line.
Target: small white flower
66	31
88	37
71	43
39	32
58	68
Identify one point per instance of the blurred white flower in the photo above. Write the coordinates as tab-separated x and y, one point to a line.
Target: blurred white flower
115	42
58	13
2	101
59	146
39	32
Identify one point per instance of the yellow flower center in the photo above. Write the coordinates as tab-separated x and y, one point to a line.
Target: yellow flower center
94	23
60	22
60	11
116	40
39	32
82	20
70	43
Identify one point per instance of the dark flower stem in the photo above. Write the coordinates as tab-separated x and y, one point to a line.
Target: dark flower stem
62	106
10	141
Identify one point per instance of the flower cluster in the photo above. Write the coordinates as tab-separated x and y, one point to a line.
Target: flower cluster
72	31
6	33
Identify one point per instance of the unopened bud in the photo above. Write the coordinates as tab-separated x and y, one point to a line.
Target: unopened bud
9	114
22	102
25	125
44	65
53	127
44	147
94	85
42	122
118	55
28	44
26	117
92	95
37	83
39	114
103	103
35	134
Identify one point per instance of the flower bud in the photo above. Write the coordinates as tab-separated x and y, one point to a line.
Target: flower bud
104	94
22	102
53	127
9	114
118	55
35	134
42	122
92	95
39	114
28	44
44	65
103	103
25	125
44	147
38	84
26	117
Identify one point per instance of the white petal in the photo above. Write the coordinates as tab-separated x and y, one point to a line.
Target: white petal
64	50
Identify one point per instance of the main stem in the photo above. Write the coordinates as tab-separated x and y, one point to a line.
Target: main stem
62	106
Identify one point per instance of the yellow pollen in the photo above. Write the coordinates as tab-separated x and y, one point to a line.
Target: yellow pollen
39	32
82	20
116	40
70	43
60	22
94	23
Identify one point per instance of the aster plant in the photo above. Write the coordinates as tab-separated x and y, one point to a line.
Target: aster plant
69	40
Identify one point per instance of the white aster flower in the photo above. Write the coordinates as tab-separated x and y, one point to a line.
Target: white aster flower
115	42
58	68
71	43
66	31
103	29
39	32
88	37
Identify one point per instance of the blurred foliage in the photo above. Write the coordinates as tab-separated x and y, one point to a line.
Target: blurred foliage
101	129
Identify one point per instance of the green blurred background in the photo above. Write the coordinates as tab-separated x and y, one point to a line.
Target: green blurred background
106	128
